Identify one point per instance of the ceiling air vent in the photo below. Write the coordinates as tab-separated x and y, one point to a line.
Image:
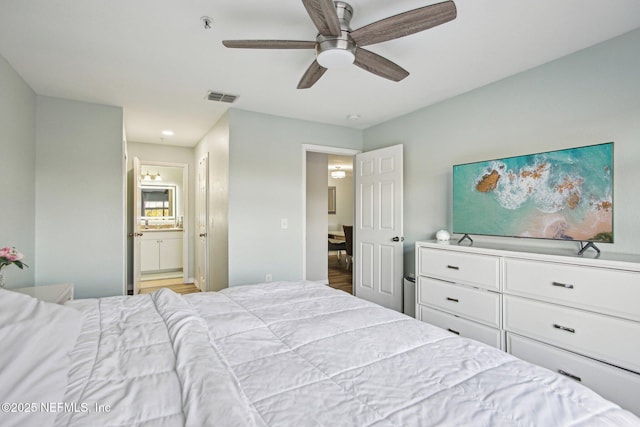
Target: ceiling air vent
221	97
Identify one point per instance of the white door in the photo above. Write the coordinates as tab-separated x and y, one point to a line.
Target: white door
202	200
136	225
378	247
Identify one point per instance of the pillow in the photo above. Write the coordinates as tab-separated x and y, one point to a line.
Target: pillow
35	340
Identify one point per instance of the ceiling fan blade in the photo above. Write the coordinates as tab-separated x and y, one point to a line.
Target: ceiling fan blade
312	75
324	16
269	44
405	24
379	66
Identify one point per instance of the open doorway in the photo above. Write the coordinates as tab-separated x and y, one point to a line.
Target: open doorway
320	263
340	221
160	219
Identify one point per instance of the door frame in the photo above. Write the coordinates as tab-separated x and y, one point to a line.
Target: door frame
185	220
306	148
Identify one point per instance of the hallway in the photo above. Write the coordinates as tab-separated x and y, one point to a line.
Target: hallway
339	277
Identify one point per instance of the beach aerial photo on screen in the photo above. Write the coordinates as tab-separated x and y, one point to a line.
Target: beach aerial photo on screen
565	194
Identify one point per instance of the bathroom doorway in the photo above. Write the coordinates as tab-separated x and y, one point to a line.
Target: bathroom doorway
161	224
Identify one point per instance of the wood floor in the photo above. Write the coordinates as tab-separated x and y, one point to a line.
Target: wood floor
176	285
339	276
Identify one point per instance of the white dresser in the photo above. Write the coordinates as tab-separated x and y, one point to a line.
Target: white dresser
578	316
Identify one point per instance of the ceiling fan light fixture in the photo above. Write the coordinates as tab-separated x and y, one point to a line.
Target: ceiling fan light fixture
335	58
335	52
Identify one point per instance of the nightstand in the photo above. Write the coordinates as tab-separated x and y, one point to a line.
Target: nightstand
58	294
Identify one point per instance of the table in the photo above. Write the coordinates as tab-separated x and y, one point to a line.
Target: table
337	235
58	294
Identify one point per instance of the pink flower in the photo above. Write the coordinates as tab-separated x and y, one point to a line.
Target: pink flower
11	256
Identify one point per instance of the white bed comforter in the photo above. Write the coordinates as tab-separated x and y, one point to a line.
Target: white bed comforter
302	354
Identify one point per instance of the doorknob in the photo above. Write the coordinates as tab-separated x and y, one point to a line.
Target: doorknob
203	234
398	239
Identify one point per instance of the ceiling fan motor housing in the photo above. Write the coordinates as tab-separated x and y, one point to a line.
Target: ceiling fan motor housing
340	51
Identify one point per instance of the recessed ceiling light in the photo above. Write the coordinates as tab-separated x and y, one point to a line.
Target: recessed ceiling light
353	117
167	132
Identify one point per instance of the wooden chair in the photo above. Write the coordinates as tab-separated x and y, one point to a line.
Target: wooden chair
348	239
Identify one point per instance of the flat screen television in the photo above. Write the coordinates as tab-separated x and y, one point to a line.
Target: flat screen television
564	194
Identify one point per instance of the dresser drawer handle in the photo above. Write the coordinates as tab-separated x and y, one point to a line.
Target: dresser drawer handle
562	285
453	332
564	328
453	267
452	299
567	374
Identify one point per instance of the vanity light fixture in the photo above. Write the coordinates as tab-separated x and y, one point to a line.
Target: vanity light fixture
148	177
338	174
168	132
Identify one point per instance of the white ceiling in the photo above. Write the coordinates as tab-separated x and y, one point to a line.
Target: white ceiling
155	59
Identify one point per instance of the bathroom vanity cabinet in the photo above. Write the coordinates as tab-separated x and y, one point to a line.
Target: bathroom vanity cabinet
161	250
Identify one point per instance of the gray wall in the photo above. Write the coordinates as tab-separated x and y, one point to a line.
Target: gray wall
345	202
265	186
80	230
17	172
160	153
316	210
589	97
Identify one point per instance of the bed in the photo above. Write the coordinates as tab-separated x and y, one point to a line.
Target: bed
274	354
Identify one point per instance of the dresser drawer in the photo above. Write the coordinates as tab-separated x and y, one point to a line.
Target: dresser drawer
462	327
477	270
474	304
617	385
614	292
602	337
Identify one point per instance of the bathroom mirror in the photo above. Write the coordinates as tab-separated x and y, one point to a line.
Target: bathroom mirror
158	202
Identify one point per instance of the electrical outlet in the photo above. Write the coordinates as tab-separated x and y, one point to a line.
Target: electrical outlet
268	277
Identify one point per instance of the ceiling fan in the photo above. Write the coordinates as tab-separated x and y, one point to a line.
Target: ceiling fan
337	45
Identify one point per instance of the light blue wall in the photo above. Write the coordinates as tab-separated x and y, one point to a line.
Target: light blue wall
265	186
589	97
80	230
17	177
